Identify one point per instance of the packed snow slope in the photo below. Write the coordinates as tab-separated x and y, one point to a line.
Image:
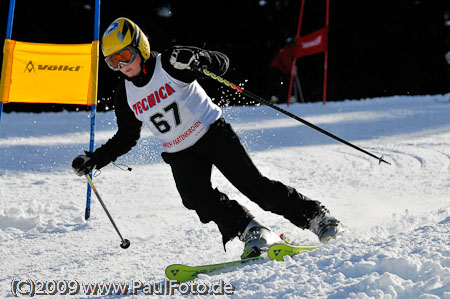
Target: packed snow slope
400	213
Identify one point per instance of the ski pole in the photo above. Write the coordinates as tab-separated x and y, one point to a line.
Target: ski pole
257	98
125	243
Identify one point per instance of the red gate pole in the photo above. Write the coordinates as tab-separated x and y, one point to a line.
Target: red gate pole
325	65
294	60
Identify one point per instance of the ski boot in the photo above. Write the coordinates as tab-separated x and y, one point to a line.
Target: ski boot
258	239
325	226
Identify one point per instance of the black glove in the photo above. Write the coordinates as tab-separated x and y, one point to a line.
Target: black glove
83	164
184	59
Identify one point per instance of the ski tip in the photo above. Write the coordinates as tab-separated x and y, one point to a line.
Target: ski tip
178	273
277	252
183	273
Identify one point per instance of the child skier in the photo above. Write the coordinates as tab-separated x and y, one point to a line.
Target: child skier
161	90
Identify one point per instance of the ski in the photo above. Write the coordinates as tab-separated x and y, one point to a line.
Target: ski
278	251
183	273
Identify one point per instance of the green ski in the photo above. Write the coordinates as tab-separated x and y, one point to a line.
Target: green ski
183	273
278	251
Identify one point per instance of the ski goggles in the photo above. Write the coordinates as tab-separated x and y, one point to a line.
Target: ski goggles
124	57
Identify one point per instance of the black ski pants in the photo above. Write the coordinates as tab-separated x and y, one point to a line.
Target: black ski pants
221	147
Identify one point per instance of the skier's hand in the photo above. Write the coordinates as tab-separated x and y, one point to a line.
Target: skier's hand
184	59
83	164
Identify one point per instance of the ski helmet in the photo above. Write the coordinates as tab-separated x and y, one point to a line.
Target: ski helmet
123	33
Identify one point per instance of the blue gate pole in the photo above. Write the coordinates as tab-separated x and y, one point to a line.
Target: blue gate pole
12	4
87	212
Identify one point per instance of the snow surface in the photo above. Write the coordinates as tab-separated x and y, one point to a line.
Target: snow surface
400	214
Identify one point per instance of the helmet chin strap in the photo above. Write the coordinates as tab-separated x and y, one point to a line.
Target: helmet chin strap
139	79
143	70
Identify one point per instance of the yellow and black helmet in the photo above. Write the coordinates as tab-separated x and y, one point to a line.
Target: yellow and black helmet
123	33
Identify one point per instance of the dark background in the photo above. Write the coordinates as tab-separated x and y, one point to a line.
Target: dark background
376	48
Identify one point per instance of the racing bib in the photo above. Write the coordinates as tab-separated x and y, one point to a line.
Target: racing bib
177	113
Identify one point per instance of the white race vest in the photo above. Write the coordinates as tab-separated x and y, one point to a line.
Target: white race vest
177	113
